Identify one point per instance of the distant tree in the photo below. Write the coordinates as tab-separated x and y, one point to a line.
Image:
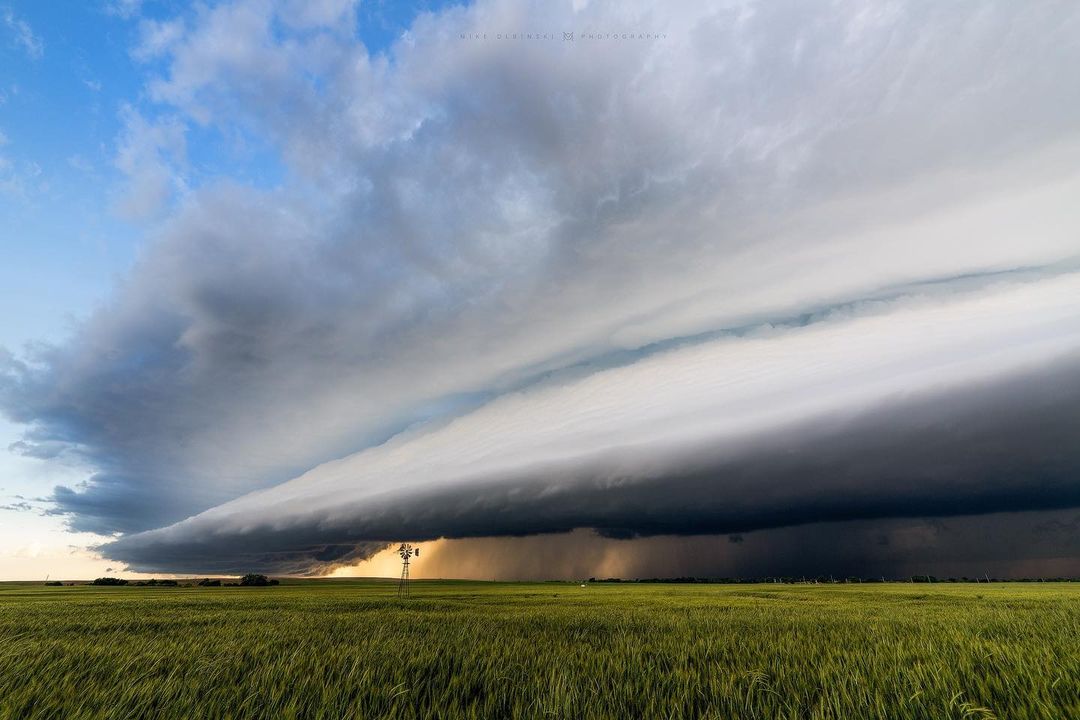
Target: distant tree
254	579
207	582
109	581
55	583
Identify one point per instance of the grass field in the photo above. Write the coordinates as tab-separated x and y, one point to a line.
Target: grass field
482	650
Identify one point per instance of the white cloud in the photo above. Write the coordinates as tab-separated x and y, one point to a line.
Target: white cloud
80	163
157	38
22	34
152	154
125	9
307	14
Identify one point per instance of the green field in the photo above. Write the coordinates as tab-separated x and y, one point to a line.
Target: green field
350	649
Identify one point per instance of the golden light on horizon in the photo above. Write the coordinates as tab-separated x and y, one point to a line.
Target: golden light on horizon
386	563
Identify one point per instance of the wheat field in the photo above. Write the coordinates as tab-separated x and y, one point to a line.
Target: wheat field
351	649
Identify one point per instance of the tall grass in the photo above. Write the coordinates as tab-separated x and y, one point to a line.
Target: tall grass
479	650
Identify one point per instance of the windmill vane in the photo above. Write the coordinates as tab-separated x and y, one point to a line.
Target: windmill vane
407	552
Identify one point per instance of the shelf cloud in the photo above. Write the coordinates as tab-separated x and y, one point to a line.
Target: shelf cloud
705	268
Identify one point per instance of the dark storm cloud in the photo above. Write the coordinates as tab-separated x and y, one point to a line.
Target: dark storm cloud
999	545
1009	447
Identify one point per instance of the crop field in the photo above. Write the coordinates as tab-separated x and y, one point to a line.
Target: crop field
351	649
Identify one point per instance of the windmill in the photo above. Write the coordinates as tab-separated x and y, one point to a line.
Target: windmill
406	551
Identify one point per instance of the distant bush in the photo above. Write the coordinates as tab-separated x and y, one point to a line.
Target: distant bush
109	581
207	582
159	583
54	583
256	580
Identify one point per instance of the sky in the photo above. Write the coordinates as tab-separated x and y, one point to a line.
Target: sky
559	289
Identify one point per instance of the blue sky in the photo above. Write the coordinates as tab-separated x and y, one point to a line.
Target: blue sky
59	115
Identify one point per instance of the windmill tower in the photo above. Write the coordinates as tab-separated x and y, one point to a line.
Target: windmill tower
407	552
